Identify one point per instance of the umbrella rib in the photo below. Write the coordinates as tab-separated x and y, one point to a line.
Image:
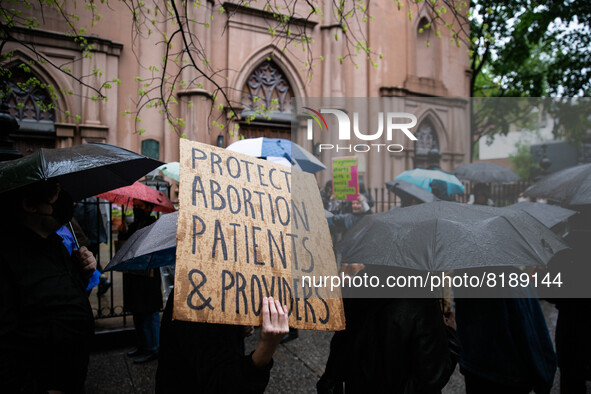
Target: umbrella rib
523	238
43	164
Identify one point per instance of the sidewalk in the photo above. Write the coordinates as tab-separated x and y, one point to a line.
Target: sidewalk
298	366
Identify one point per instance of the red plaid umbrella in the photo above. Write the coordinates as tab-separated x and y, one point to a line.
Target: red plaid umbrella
139	191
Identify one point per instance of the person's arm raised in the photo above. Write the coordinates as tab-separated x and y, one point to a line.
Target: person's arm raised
275	327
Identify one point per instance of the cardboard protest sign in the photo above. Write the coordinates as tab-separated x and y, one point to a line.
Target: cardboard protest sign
248	229
345	181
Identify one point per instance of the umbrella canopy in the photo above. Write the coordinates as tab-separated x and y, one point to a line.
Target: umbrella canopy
274	149
139	191
570	187
171	170
485	172
149	247
407	190
423	178
549	215
82	170
441	236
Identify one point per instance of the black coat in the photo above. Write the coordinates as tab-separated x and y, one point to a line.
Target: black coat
506	340
46	322
390	346
205	358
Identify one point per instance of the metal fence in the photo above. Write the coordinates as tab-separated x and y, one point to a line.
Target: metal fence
92	215
501	194
95	220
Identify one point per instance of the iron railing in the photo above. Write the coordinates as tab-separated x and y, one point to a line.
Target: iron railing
98	214
501	194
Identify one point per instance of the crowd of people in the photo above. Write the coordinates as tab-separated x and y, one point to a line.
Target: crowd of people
401	344
47	324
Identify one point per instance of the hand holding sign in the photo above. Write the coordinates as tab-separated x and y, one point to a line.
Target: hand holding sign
275	327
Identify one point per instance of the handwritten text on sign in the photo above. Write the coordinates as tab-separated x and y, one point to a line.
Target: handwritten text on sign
250	229
344	179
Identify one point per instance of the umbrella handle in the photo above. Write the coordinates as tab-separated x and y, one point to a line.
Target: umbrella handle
73	235
289	159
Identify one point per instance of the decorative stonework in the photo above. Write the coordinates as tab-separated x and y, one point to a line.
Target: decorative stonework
268	86
23	103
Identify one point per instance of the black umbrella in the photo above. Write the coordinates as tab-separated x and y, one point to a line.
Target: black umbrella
82	170
149	247
570	187
485	172
441	236
407	190
549	215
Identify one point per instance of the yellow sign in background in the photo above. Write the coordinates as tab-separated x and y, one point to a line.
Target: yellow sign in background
249	229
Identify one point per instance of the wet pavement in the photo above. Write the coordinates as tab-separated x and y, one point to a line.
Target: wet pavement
298	366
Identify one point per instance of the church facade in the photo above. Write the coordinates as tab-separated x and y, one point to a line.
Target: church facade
429	74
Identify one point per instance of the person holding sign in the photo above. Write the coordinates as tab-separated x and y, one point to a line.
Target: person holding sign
244	239
209	358
344	222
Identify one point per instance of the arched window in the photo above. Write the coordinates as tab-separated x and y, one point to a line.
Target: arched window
426	142
31	105
267	88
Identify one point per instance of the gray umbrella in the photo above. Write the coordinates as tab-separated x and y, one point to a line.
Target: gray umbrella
407	190
549	215
441	236
570	187
485	172
149	247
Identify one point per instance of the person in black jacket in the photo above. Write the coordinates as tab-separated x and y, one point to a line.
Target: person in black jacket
209	358
506	345
390	345
46	322
142	294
